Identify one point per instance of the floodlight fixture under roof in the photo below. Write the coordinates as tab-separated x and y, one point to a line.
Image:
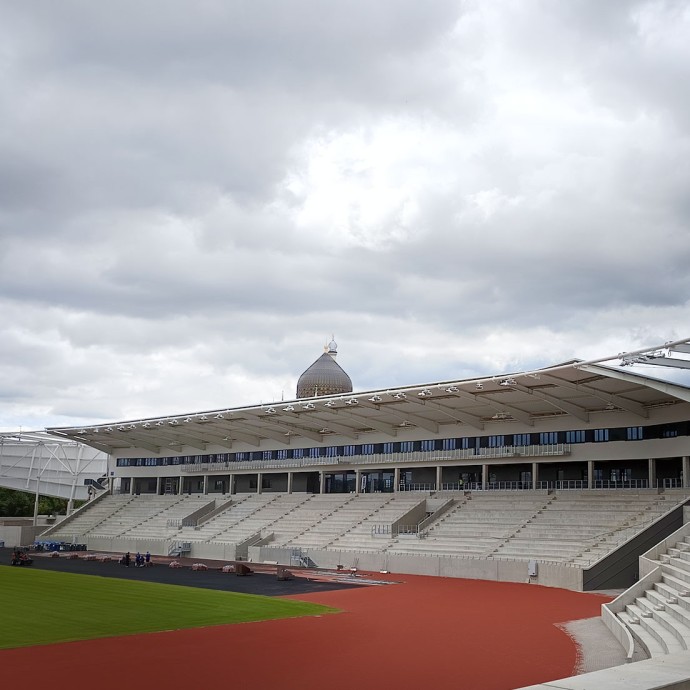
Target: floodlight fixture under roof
424	393
452	389
375	398
289	408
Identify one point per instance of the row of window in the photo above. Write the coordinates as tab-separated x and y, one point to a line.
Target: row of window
632	433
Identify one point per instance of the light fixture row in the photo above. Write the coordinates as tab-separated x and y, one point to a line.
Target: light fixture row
376	399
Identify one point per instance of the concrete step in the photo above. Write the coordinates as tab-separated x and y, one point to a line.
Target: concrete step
677	568
648	641
668	641
668	591
681	586
673	605
661	614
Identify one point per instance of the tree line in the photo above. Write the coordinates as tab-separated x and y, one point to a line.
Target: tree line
15	503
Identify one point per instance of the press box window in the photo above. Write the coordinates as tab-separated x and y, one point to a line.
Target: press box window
634	433
547	438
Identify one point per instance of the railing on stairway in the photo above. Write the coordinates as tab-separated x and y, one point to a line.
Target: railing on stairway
179	548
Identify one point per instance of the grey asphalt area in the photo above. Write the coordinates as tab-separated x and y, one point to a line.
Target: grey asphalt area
265	583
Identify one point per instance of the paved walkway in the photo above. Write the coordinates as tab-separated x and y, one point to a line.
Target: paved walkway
598	648
265	583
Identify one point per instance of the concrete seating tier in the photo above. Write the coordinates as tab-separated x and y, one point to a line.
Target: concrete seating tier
340	521
550	550
477	525
260	519
472	546
306	516
156	526
360	537
235	511
138	510
582	527
577	527
89	517
566	527
241	506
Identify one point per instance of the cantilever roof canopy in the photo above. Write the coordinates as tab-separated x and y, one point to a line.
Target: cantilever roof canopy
575	389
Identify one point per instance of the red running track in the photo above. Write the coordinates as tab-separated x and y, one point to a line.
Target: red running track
426	632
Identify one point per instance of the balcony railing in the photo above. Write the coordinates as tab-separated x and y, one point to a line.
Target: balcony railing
429	456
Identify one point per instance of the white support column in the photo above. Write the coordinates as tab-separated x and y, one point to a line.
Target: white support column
289	481
651	471
535	474
205	484
485	476
322	482
259	478
131	486
439	477
158	486
38	481
590	474
180	488
231	484
36	500
686	471
396	480
358	480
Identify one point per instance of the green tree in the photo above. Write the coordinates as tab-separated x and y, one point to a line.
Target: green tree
21	504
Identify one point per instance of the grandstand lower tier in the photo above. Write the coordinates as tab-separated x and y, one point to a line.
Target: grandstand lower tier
582	540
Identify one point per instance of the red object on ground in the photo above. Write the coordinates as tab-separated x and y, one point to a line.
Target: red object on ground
429	632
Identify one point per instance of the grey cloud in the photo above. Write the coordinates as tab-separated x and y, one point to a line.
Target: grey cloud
502	176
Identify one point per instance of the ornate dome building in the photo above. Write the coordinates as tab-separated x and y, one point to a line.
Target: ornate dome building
325	376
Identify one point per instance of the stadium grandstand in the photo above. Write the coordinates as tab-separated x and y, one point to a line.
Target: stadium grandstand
561	476
575	475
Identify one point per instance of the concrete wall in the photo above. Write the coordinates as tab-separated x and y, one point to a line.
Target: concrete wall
646	559
620	568
158	547
497	570
20	535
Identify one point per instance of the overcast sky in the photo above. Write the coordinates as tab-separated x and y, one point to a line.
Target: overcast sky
195	196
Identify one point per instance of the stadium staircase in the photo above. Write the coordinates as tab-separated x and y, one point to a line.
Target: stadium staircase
656	610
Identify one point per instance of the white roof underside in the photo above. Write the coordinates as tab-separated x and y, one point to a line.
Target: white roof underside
574	389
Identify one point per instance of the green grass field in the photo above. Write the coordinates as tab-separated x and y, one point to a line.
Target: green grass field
41	607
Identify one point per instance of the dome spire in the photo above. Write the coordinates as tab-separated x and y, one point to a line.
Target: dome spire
332	348
325	376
